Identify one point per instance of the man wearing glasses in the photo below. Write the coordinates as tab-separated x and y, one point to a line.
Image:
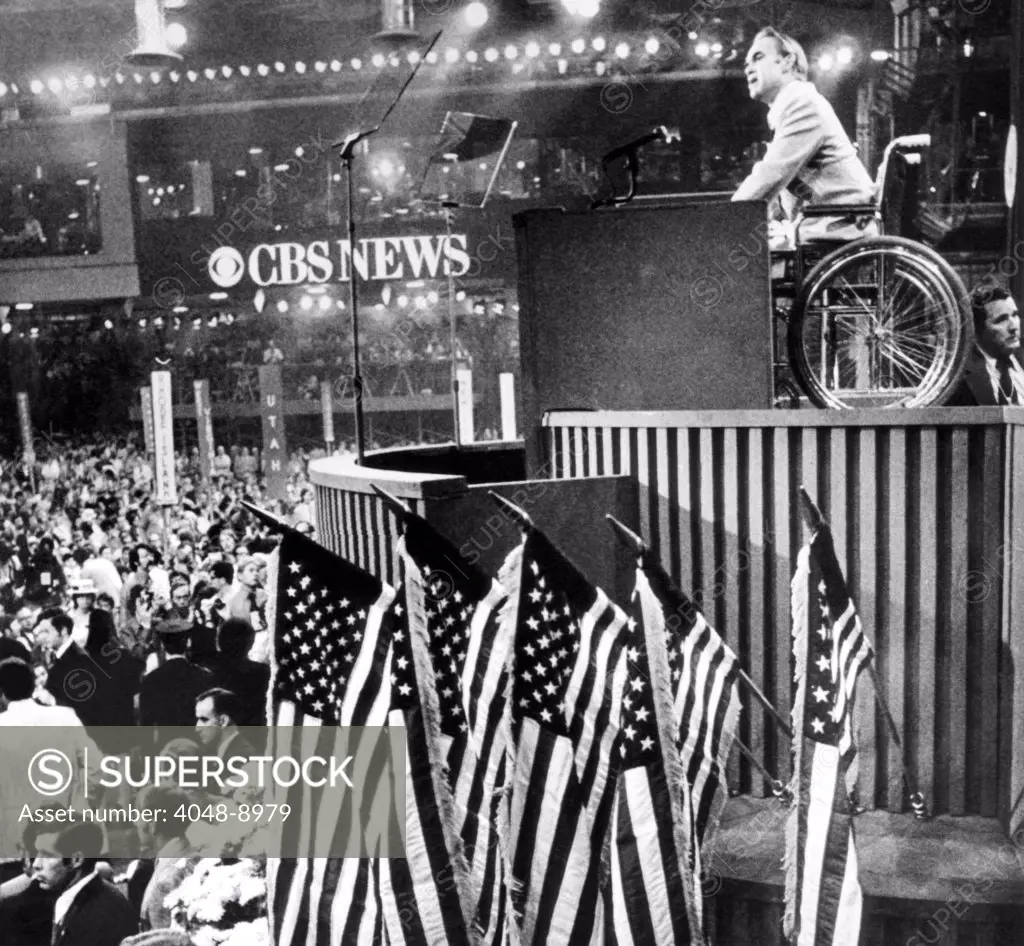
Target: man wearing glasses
811	159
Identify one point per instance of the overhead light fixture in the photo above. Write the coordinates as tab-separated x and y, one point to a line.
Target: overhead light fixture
176	34
879	55
218	296
477	15
153	51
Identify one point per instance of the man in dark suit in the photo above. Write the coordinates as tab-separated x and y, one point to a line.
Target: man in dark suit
26	912
89	911
993	375
232	670
167	696
72	677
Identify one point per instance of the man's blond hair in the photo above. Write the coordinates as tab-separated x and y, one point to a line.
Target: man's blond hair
787	46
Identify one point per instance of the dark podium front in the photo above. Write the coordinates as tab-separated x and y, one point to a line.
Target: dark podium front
644	308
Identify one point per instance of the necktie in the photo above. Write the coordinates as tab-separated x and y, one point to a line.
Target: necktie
1007	389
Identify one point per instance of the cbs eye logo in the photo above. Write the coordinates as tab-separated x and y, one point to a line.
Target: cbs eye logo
226	266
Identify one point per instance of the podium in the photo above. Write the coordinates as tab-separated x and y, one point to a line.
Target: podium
644	308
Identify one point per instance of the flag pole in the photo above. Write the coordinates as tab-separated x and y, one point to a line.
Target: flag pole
815	521
265	517
779	790
633	541
519	515
393	503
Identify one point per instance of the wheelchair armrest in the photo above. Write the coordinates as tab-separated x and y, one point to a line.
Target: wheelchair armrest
839	210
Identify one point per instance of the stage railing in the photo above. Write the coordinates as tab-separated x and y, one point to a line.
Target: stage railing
926	510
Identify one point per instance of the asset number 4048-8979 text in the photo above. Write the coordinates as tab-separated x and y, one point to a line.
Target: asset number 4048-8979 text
223	812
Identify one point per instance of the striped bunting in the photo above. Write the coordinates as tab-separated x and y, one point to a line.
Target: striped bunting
823	894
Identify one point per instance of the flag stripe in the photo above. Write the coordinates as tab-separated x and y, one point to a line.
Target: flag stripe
644	846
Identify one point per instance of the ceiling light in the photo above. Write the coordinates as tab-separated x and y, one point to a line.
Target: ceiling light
589	8
598	44
578	45
477	14
36	86
320	66
263	69
244	70
279	67
532	50
490	54
845	56
282	306
622	50
702	49
210	74
23	306
879	55
511	52
378	60
300	67
555	49
176	35
825	62
471	56
226	71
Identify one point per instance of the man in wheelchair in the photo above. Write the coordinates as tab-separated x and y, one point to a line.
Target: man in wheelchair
811	160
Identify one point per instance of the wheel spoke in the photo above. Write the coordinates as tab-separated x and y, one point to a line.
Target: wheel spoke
881	324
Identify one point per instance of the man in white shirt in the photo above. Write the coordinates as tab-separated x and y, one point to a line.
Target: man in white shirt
993	375
102	572
811	159
17	683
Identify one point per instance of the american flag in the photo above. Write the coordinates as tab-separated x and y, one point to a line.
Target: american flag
331	624
568	666
654	884
706	700
448	890
823	894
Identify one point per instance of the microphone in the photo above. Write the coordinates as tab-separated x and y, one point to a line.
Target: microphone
661	133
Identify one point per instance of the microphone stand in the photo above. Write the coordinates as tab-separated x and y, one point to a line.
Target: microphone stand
449	207
346	155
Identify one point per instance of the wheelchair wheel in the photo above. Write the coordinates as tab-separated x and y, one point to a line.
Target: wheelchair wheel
882	322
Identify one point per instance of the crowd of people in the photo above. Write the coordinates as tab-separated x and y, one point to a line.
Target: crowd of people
115	612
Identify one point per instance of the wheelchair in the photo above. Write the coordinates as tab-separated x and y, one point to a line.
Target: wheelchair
879	322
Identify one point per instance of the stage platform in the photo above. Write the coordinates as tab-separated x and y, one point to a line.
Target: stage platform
929	529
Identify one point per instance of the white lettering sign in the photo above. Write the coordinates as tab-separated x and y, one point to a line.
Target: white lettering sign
376	259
